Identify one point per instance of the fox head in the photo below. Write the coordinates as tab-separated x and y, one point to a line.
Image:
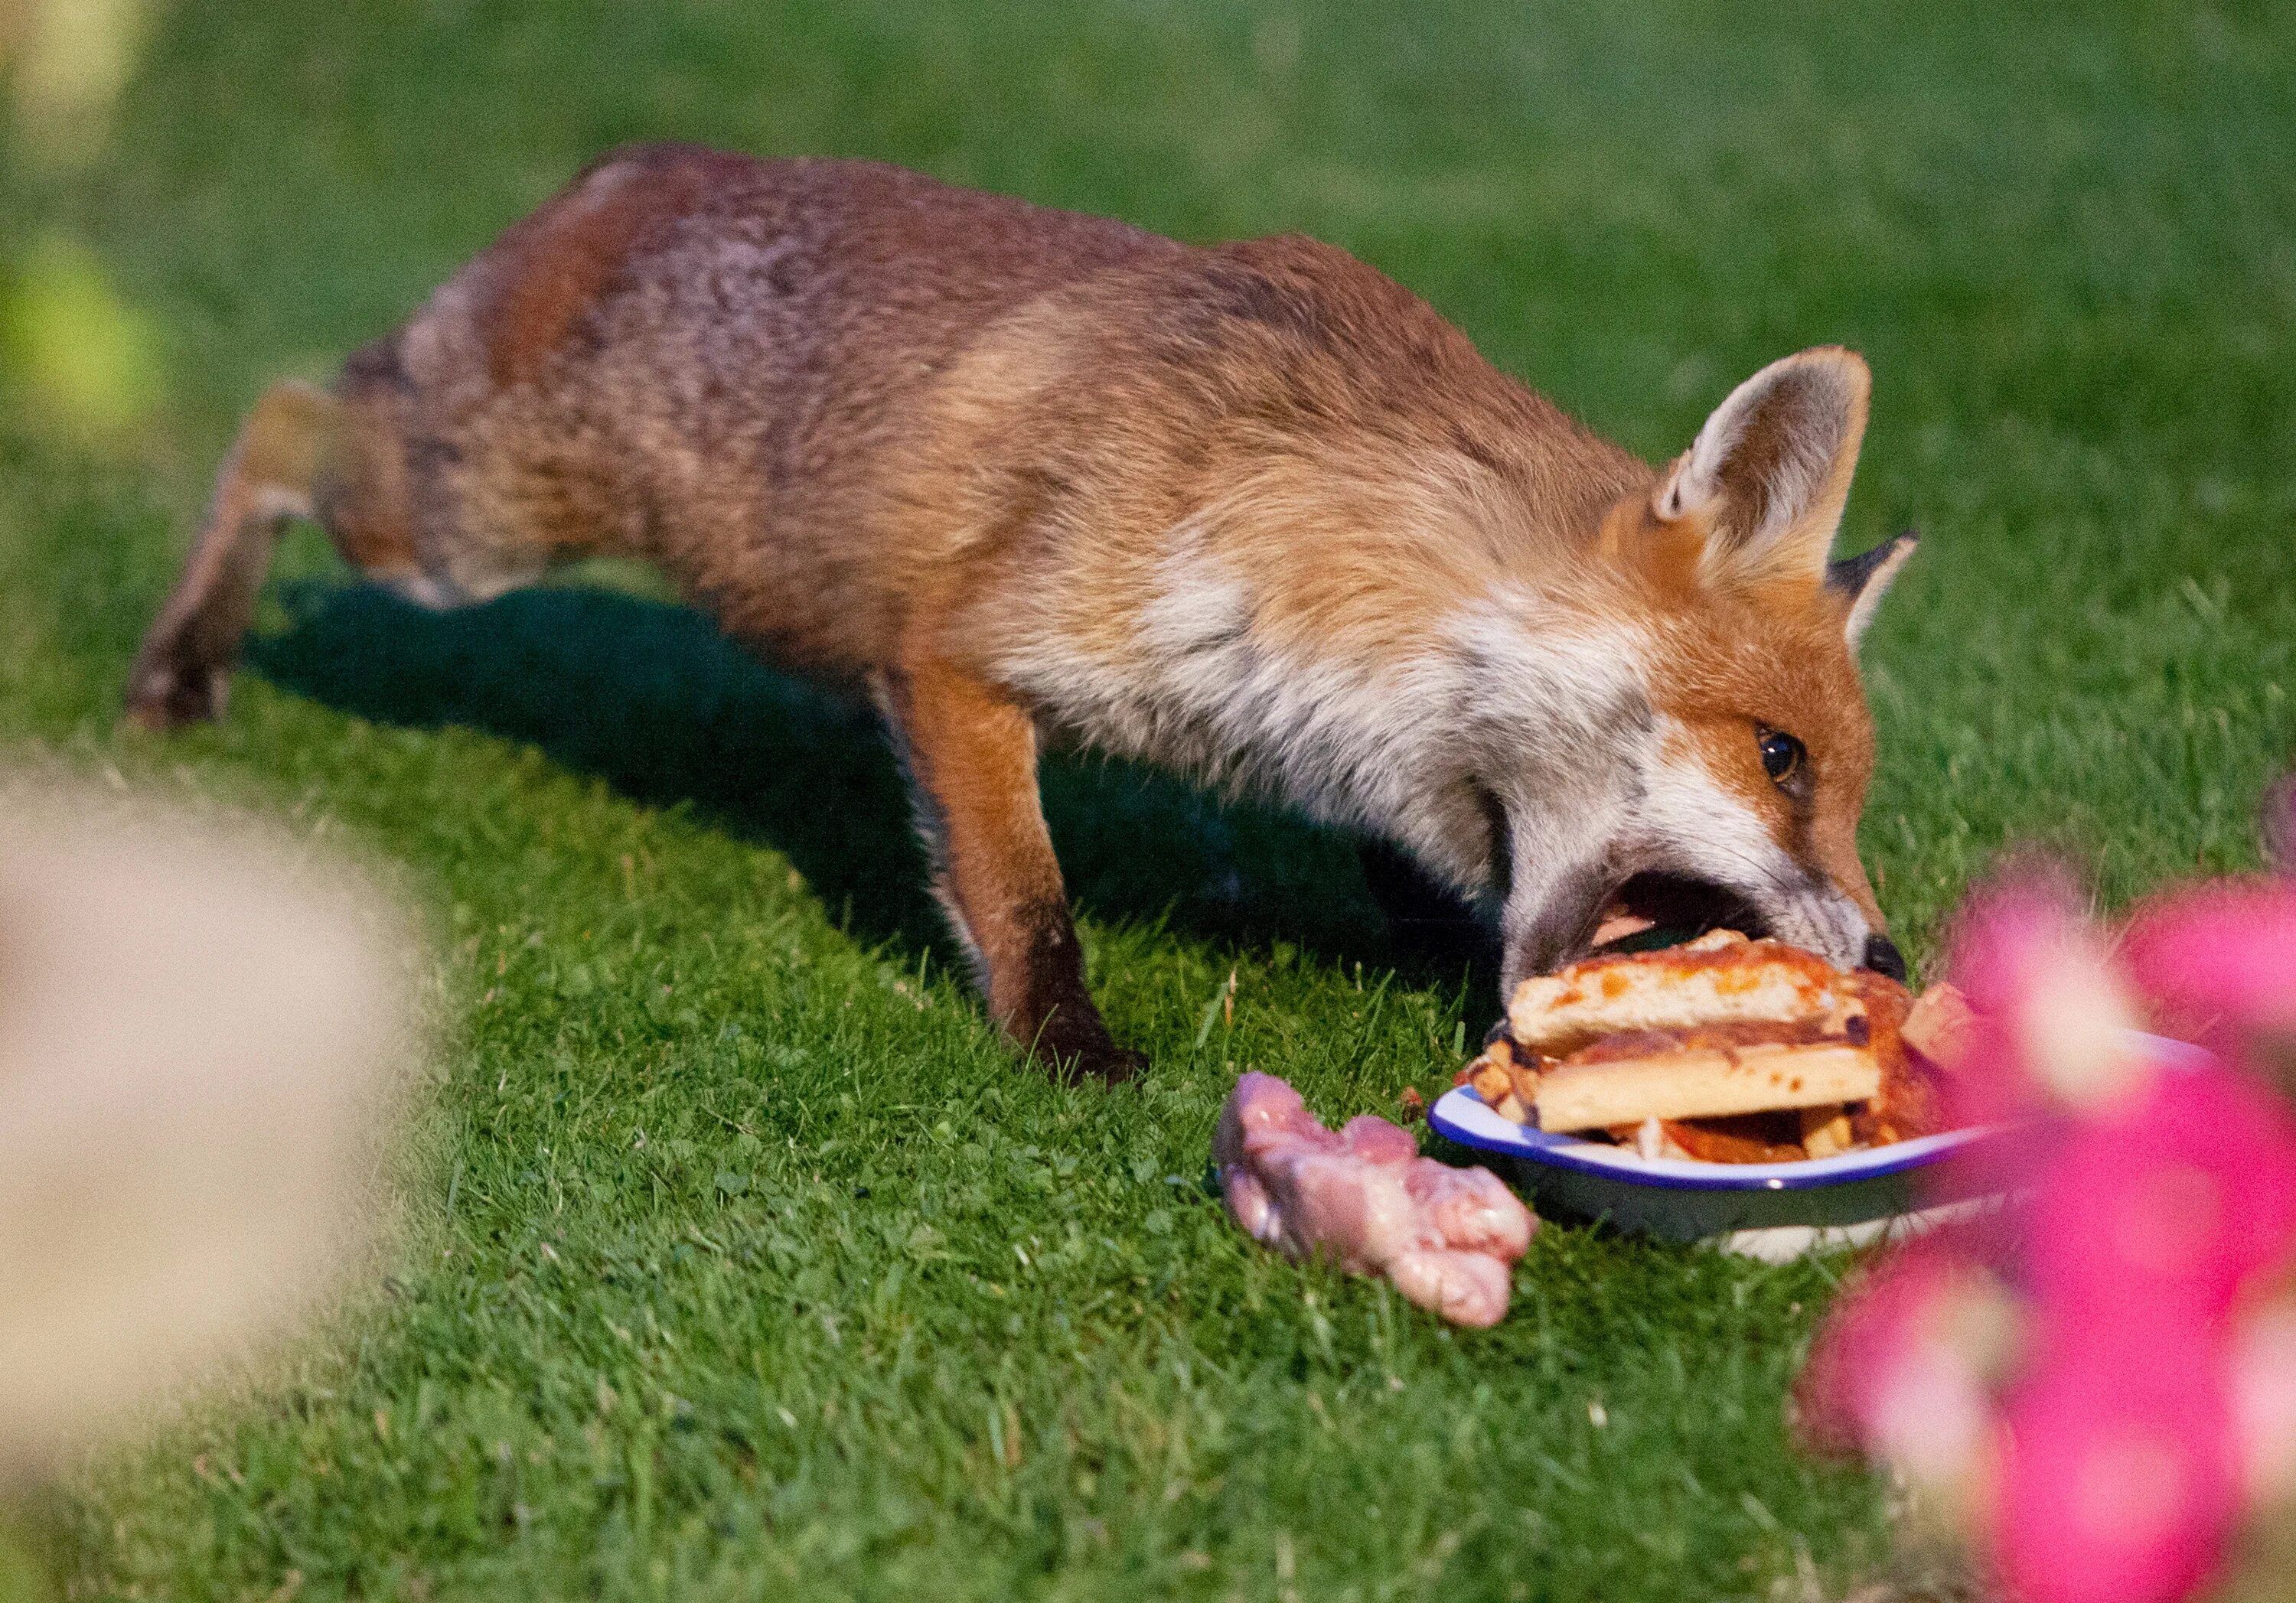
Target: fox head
1735	764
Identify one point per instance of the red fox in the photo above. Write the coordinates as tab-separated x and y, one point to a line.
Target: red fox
1252	511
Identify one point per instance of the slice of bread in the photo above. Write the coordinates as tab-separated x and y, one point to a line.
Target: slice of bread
1721	979
1698	1083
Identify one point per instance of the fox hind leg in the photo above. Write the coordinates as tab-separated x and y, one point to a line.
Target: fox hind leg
182	672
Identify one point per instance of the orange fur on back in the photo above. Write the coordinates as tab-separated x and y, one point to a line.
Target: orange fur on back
553	268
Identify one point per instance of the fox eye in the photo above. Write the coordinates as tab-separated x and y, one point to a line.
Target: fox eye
1782	756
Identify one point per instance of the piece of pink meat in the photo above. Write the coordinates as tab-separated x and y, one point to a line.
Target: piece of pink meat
1364	1196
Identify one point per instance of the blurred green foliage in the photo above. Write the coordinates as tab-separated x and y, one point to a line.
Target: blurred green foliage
80	356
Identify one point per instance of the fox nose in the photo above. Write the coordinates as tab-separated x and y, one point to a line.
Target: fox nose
1883	956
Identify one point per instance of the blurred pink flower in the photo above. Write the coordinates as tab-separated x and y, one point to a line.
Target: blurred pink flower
1871	1335
2005	930
2218	960
2117	1485
2154	1215
1902	1373
2087	1373
2264	1401
2051	1011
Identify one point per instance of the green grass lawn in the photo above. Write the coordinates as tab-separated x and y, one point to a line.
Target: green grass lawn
742	1260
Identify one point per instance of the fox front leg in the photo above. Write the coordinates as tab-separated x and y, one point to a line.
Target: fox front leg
971	756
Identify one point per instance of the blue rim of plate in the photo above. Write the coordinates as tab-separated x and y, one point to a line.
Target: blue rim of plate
1460	1114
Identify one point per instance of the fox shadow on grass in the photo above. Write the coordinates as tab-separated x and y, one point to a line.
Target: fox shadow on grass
650	698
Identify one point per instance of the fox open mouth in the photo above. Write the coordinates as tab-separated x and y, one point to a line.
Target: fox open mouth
1656	909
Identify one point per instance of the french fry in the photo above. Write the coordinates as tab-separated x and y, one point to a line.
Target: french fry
1825	1132
1492	1075
1506	1084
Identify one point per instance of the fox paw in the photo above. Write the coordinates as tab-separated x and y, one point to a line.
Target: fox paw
1083	1049
165	694
1111	1064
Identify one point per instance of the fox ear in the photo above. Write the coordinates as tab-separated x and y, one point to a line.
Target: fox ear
1863	580
1769	473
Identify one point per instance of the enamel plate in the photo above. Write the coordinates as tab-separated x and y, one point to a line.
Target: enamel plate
1770	1210
1773	1211
1460	1114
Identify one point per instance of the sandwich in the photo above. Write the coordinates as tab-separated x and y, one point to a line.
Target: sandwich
1726	1048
